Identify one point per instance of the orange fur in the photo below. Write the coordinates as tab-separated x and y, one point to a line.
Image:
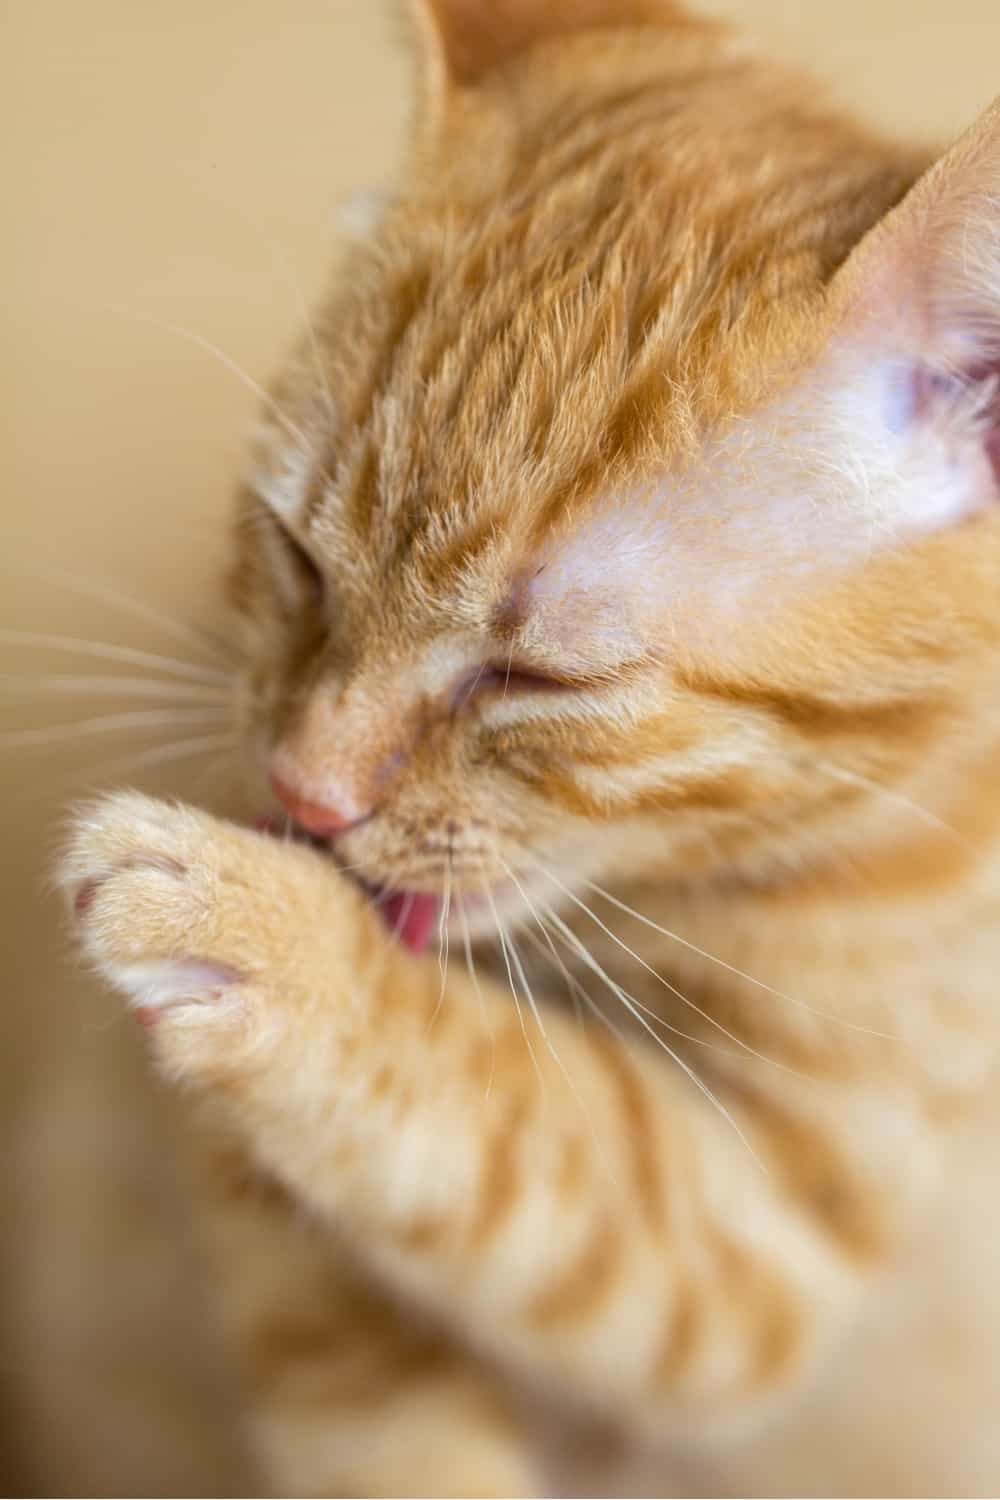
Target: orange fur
626	526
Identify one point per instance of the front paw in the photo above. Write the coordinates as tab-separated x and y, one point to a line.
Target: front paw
204	926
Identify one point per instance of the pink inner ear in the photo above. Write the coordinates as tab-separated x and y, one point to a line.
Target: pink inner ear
931	386
989	373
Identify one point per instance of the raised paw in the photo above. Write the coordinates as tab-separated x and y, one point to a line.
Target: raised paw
202	925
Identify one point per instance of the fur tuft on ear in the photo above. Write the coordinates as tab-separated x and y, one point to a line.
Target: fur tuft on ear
922	292
464	40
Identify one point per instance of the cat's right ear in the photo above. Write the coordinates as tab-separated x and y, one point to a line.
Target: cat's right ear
461	42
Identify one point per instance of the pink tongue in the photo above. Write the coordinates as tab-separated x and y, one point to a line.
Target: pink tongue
412	916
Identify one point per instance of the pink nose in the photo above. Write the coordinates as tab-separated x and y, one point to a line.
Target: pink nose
315	817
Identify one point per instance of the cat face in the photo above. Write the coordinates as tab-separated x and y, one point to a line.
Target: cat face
602	521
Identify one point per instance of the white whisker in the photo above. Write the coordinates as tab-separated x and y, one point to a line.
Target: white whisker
310	326
574	986
470	965
548	951
533	1004
631	1006
740	973
230	364
404	915
443	943
70	686
732	1036
550	1046
510	977
160	754
109	723
888	794
289	273
580	948
201	640
108	652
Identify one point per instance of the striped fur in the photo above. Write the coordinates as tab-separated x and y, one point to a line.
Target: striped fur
626	524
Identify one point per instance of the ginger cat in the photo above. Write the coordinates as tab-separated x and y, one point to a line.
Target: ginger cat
619	578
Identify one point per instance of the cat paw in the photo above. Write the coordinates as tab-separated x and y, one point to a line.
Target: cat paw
144	883
193	919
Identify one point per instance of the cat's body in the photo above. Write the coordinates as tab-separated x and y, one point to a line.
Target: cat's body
613	545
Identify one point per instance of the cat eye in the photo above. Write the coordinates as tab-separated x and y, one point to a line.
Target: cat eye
504	681
308	574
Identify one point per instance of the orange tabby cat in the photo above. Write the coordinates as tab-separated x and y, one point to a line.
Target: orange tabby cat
620	579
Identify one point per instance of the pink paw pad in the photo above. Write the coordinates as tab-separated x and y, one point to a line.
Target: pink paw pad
166	984
84	898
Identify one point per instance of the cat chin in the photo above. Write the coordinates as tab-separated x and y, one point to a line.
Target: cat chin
473	907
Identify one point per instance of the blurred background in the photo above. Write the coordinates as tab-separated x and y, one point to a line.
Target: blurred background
172	175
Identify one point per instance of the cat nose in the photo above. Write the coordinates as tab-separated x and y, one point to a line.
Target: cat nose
319	818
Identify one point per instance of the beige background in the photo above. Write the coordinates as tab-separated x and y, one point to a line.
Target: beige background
179	166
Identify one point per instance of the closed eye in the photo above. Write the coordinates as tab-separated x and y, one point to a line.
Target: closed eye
507	681
307	574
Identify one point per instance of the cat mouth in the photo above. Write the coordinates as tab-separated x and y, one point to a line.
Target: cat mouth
411	916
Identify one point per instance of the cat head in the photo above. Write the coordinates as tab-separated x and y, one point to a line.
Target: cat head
632	503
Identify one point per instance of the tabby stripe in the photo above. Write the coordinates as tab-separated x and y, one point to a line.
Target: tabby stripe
754	1291
639	1129
680	1337
583	1287
897	718
816	1175
499	1179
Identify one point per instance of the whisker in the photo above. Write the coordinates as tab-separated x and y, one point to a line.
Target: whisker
310	326
443	943
109	723
470	965
71	686
510	663
576	989
548	951
550	1045
404	915
740	973
738	1040
532	1003
580	948
510	977
341	869
202	640
108	652
631	1006
160	754
889	794
574	986
281	260
228	363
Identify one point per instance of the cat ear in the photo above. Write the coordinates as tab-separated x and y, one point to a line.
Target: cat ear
464	40
917	304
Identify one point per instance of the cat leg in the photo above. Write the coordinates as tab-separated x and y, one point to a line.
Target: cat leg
349	1392
588	1218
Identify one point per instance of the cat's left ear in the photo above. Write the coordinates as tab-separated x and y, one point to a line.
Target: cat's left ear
919	298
